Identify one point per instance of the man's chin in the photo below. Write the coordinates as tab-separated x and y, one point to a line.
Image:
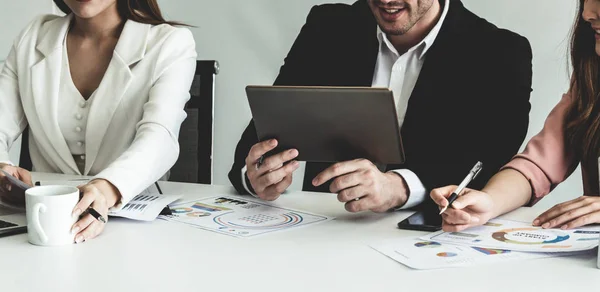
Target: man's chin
392	30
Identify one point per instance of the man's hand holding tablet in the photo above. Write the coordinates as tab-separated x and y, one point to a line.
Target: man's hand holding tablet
273	175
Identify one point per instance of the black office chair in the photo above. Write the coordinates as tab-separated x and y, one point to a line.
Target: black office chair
195	137
24	158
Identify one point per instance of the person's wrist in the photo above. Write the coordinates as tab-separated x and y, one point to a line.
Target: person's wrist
399	189
108	190
495	211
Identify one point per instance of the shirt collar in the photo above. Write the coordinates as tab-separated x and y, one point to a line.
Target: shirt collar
426	43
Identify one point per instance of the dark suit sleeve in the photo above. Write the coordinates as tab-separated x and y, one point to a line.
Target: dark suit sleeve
497	123
295	71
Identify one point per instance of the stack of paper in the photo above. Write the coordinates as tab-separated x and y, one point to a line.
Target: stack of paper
426	255
521	236
497	241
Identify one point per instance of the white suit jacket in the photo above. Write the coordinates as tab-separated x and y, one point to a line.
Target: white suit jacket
134	120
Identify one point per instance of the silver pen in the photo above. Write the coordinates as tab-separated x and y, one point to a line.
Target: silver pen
471	176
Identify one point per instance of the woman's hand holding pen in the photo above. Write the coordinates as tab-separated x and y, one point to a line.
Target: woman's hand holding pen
473	208
97	197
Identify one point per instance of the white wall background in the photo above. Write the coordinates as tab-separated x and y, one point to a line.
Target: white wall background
15	15
251	38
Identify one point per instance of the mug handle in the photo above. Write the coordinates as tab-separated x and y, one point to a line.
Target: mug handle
37	208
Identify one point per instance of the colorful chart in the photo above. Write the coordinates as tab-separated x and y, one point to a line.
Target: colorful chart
530	236
198	214
181	210
404	251
489	251
588	239
518	236
466	235
446	254
236	216
491	224
427	244
260	221
209	208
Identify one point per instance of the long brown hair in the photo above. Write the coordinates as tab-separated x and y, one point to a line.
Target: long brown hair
143	11
582	125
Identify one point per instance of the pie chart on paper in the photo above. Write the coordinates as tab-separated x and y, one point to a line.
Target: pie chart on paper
530	236
446	254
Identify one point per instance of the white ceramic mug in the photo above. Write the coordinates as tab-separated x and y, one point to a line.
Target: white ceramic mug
49	210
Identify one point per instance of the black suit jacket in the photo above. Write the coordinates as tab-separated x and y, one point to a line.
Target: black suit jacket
470	103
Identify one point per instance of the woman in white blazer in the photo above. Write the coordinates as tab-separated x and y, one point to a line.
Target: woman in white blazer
103	91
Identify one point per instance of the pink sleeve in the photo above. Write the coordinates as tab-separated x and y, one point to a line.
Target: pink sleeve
546	162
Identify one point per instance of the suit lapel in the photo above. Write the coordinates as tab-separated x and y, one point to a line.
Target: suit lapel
440	60
365	46
366	66
437	60
45	87
130	49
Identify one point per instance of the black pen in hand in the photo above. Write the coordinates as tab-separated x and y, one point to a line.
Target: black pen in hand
471	176
96	215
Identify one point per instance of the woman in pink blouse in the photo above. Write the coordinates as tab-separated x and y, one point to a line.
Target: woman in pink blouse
571	135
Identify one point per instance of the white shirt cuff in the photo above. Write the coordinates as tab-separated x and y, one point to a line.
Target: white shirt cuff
416	190
244	170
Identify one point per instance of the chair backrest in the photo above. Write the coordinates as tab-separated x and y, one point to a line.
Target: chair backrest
24	157
194	164
196	135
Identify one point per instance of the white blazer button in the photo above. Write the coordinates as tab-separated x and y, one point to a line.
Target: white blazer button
82	157
78	116
79	143
82	104
78	129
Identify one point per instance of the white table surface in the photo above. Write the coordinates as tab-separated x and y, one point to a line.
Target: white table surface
331	256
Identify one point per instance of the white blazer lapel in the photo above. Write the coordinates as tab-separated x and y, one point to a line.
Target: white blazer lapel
130	49
45	87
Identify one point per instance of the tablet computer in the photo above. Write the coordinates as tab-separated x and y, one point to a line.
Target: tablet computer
329	124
